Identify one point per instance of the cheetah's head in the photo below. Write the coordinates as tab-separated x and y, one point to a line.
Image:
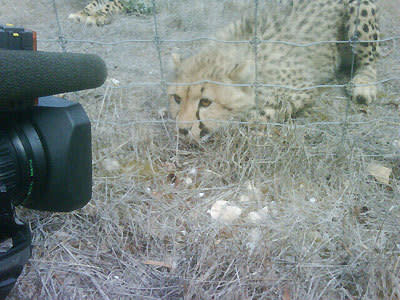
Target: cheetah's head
201	109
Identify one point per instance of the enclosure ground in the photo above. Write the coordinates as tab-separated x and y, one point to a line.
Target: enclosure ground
308	221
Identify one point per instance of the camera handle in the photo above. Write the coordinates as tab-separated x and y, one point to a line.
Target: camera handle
13	260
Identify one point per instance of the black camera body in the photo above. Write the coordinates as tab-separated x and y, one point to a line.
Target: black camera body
49	149
45	141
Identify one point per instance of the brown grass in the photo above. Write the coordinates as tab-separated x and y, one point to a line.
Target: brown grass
331	231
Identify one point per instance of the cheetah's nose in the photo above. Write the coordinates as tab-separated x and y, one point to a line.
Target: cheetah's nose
183	131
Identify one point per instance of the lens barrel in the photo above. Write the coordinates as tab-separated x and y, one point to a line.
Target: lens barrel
8	167
22	162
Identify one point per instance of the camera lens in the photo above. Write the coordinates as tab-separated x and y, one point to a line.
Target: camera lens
22	162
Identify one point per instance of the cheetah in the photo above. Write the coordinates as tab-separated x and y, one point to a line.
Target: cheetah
198	108
100	12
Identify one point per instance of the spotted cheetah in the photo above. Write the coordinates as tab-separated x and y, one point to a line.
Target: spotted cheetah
100	12
303	62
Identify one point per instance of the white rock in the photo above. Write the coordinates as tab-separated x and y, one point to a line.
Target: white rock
379	172
188	180
115	82
223	212
312	200
111	164
258	216
217	208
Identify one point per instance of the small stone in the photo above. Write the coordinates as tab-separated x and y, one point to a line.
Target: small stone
114	81
223	212
111	164
379	172
188	180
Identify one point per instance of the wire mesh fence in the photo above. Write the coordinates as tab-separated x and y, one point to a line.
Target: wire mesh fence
158	41
327	230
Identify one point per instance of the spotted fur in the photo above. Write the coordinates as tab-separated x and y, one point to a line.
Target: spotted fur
298	21
100	12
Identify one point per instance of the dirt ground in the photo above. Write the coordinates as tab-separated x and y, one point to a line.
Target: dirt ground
313	222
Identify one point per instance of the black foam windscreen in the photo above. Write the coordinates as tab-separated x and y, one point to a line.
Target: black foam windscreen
26	75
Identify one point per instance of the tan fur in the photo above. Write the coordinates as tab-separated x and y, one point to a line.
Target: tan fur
298	67
100	12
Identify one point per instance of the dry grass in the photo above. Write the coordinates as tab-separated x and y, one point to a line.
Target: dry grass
331	231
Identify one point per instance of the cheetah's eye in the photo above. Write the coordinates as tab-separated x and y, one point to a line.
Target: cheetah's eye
177	99
204	102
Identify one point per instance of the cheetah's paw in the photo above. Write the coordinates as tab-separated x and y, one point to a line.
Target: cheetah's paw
98	20
91	21
362	90
78	17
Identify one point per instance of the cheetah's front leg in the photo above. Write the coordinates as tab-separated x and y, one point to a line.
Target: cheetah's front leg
363	89
362	26
282	105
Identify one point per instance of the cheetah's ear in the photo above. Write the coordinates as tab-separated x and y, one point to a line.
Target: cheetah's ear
176	59
242	71
173	64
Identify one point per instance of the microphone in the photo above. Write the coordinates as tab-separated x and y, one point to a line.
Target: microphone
26	75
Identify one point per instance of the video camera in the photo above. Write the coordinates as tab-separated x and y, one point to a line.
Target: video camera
45	141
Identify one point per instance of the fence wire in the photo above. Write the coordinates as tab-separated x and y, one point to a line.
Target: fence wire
255	42
342	123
